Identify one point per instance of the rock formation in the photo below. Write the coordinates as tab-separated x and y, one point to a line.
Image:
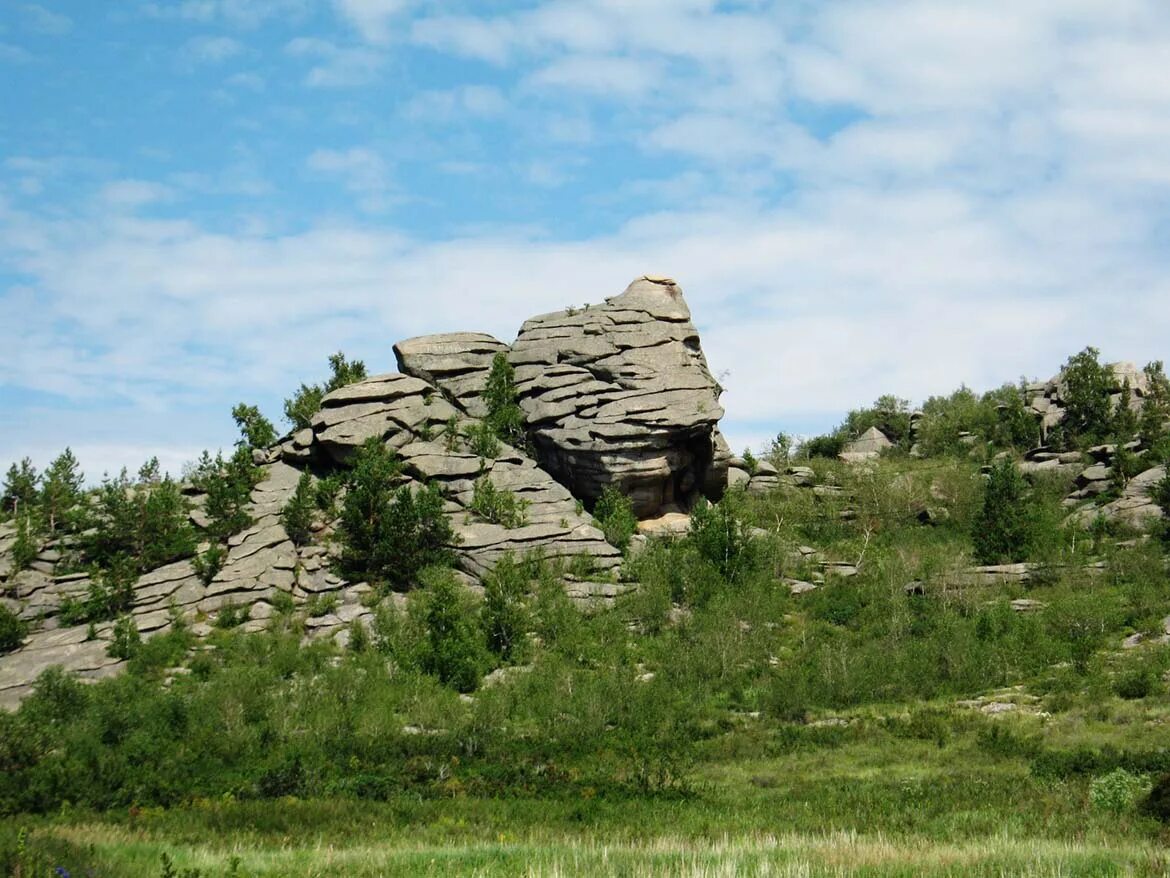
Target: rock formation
615	394
620	394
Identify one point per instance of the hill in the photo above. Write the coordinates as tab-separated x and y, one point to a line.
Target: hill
519	608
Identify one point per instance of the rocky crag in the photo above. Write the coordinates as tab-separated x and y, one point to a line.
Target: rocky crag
613	394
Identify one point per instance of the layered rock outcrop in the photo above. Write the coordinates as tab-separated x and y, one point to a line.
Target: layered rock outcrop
620	394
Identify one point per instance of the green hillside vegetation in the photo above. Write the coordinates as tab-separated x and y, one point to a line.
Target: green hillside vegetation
899	718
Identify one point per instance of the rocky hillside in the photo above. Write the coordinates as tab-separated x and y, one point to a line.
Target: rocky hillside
617	394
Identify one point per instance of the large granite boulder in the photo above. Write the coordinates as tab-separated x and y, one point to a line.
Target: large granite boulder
457	363
620	394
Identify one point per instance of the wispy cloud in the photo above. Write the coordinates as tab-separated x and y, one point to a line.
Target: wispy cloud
373	19
336	66
211	49
44	21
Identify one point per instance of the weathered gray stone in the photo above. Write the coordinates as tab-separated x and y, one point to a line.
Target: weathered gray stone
457	363
620	393
867	446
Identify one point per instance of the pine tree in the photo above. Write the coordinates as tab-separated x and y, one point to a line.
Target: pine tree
1002	531
61	492
20	487
1088	407
505	416
256	431
298	512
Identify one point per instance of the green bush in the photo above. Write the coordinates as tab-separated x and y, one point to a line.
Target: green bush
21	487
300	408
1136	684
208	563
453	649
126	641
723	538
504	617
144	522
504	416
321	605
482	440
256	431
498	506
1157	803
388	534
27	544
1003	530
228	485
298	513
232	615
12	630
1117	792
615	515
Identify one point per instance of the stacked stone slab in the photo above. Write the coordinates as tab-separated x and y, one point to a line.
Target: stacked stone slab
620	394
457	363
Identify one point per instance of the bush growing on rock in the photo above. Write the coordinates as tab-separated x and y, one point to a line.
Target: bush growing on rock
498	506
389	534
208	563
228	485
504	413
306	402
125	641
144	524
504	617
255	429
298	513
615	515
12	630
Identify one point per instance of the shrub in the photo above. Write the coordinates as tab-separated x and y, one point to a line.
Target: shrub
297	515
1135	685
232	615
228	485
503	616
1117	791
26	547
12	630
498	506
723	538
126	640
146	523
828	446
390	534
320	605
1002	530
615	515
325	495
505	416
482	440
207	564
750	463
256	430
306	402
453	649
1157	803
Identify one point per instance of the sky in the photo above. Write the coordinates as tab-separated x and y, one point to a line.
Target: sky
200	200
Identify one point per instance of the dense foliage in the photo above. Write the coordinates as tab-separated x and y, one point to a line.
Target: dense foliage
306	402
390	531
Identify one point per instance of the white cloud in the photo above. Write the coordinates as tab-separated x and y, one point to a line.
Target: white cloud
10	54
134	193
244	14
45	21
363	171
211	50
337	67
373	19
470	102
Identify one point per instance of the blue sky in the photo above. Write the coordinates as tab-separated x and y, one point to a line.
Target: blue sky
201	199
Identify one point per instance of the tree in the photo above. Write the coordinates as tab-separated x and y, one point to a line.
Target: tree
297	515
615	514
228	485
721	536
256	431
453	650
27	545
390	534
1155	405
306	402
61	491
145	524
20	487
1085	390
504	617
12	630
1001	530
505	416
